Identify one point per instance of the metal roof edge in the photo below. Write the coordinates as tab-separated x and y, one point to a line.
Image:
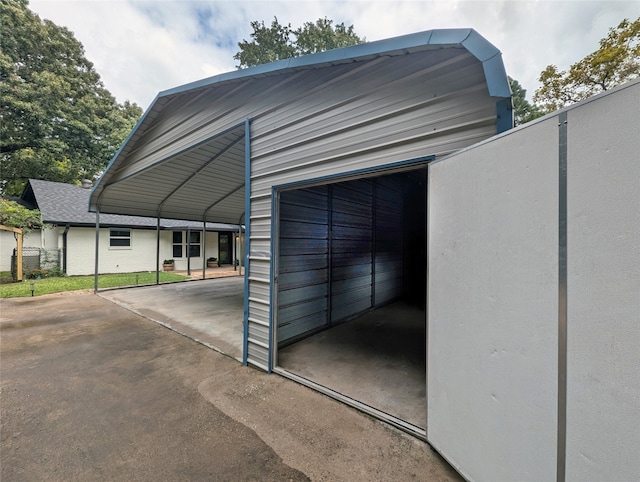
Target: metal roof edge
403	43
117	153
491	59
344	54
469	38
475	43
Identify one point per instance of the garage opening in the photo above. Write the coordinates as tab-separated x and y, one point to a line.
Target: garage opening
351	292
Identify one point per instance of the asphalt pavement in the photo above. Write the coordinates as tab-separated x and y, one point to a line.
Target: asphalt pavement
92	391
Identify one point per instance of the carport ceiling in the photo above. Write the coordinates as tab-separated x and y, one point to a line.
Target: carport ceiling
186	157
201	183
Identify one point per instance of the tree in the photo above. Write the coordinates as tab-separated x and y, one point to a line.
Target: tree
58	121
523	110
615	62
278	42
317	37
15	215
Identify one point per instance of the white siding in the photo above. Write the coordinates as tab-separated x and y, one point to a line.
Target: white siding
493	319
139	257
603	392
7	245
33	239
492	307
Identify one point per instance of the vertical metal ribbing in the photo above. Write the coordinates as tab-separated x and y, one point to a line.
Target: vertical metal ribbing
562	298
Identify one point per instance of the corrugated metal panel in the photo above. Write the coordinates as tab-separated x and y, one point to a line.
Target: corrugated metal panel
334	112
259	272
323	116
214	170
412	114
342	240
351	248
303	269
388	239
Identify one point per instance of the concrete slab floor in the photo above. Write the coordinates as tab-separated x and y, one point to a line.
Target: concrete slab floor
378	358
209	311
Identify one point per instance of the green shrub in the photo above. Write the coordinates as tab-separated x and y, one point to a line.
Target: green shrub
38	274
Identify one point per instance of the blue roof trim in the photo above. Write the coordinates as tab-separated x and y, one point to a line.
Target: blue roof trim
480	47
496	77
504	116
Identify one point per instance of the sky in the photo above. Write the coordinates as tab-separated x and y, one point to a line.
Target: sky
141	48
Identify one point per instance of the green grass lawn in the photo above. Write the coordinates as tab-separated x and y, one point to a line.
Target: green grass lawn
71	283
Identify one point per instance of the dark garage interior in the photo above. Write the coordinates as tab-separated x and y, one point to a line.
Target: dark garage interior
351	290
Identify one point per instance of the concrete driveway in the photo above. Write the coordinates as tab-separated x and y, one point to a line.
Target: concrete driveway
92	391
209	311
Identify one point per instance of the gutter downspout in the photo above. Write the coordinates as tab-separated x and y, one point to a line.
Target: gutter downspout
64	248
188	251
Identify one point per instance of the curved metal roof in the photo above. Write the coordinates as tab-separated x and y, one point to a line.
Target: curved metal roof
185	158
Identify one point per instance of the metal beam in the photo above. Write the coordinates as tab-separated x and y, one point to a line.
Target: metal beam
96	257
562	297
247	233
198	171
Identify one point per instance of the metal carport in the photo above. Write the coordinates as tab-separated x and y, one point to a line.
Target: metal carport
216	149
189	157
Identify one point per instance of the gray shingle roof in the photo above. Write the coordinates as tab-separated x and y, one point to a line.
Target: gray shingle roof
62	203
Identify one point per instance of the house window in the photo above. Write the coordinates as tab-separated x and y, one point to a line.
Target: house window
120	238
177	244
194	241
180	244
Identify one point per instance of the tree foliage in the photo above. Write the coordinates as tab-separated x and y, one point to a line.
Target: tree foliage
277	42
616	61
59	122
15	215
523	110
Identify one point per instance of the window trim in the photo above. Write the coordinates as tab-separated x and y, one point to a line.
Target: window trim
119	235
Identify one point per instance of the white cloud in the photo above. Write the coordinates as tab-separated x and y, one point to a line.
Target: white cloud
141	48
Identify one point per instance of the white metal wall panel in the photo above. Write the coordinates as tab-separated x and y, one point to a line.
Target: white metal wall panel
603	357
492	306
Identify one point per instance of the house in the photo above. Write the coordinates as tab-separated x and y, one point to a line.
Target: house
127	243
395	220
